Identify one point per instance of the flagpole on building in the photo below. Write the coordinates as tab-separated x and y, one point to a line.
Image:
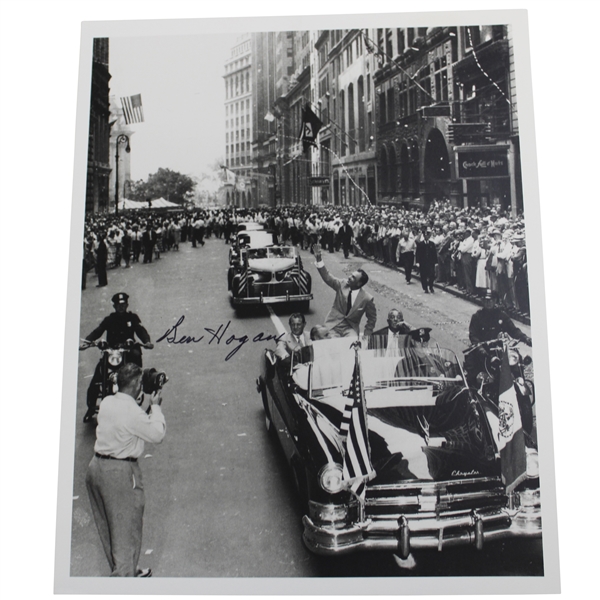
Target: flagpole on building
122	138
340	128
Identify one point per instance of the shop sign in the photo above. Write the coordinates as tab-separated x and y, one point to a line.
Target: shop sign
480	164
318	181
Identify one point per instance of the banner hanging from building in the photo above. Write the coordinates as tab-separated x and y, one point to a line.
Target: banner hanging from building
228	175
311	124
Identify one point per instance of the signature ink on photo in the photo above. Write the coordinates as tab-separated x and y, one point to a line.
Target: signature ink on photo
216	334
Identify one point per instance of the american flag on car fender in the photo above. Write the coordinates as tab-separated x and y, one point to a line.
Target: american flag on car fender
299	276
243	281
357	468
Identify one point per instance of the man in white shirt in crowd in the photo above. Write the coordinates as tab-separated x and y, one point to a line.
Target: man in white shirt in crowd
114	477
466	260
405	252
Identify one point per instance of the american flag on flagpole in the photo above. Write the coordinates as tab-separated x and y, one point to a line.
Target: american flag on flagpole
132	109
357	468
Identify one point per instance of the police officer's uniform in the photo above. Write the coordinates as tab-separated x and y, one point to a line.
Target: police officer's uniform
119	328
488	323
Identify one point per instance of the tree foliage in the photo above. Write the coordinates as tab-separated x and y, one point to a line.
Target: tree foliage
166	184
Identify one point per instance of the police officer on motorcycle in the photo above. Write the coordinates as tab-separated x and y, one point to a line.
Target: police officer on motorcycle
488	322
120	326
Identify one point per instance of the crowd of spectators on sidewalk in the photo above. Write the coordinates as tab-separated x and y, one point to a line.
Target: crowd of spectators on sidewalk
476	249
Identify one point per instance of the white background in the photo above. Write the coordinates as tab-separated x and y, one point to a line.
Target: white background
38	95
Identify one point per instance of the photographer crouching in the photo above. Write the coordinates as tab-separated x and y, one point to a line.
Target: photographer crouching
114	477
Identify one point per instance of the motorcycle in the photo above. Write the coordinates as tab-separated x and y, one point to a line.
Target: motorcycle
111	360
483	366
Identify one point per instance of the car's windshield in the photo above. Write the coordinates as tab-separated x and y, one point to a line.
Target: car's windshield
255	239
272	252
421	364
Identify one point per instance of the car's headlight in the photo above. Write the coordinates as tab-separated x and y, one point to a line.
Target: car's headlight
330	478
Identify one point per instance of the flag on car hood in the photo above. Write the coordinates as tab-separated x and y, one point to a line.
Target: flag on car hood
357	467
511	439
311	124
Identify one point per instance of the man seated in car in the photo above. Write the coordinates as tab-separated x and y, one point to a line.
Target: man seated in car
291	344
391	337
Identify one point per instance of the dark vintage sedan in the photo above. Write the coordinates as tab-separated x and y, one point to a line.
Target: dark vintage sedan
269	275
439	474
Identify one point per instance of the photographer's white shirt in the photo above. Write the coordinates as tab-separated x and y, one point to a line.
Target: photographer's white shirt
123	427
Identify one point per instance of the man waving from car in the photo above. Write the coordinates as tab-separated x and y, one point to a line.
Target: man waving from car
351	301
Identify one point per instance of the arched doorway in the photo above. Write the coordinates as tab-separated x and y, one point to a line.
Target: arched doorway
436	167
404	171
392	171
383	172
414	168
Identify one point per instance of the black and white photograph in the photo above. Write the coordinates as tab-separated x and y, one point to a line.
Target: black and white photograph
305	344
305	306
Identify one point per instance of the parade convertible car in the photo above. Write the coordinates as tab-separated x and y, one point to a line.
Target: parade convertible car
248	239
268	275
439	477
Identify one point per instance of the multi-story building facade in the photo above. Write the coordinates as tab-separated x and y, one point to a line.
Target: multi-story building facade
446	117
239	123
350	105
98	164
409	116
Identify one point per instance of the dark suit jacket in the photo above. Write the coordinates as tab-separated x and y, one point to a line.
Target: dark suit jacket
345	233
379	338
337	320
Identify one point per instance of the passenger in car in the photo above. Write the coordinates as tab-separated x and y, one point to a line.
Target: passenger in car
295	340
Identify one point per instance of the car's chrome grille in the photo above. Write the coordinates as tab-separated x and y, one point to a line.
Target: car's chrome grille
392	500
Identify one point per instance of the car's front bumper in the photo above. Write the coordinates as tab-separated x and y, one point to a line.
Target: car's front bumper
262	299
426	531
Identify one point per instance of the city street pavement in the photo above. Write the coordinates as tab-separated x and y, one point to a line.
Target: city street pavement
219	497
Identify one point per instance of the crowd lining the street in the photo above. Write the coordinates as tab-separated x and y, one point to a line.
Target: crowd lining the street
476	249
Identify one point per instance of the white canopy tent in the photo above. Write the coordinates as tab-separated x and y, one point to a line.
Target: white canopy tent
156	203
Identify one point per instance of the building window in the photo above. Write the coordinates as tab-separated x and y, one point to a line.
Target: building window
361	114
400	41
342	122
441	79
382	109
391	105
388	45
351	130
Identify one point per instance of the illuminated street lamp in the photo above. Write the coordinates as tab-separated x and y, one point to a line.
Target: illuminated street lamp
121	139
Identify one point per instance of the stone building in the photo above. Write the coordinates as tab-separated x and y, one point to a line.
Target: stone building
98	163
446	117
239	122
